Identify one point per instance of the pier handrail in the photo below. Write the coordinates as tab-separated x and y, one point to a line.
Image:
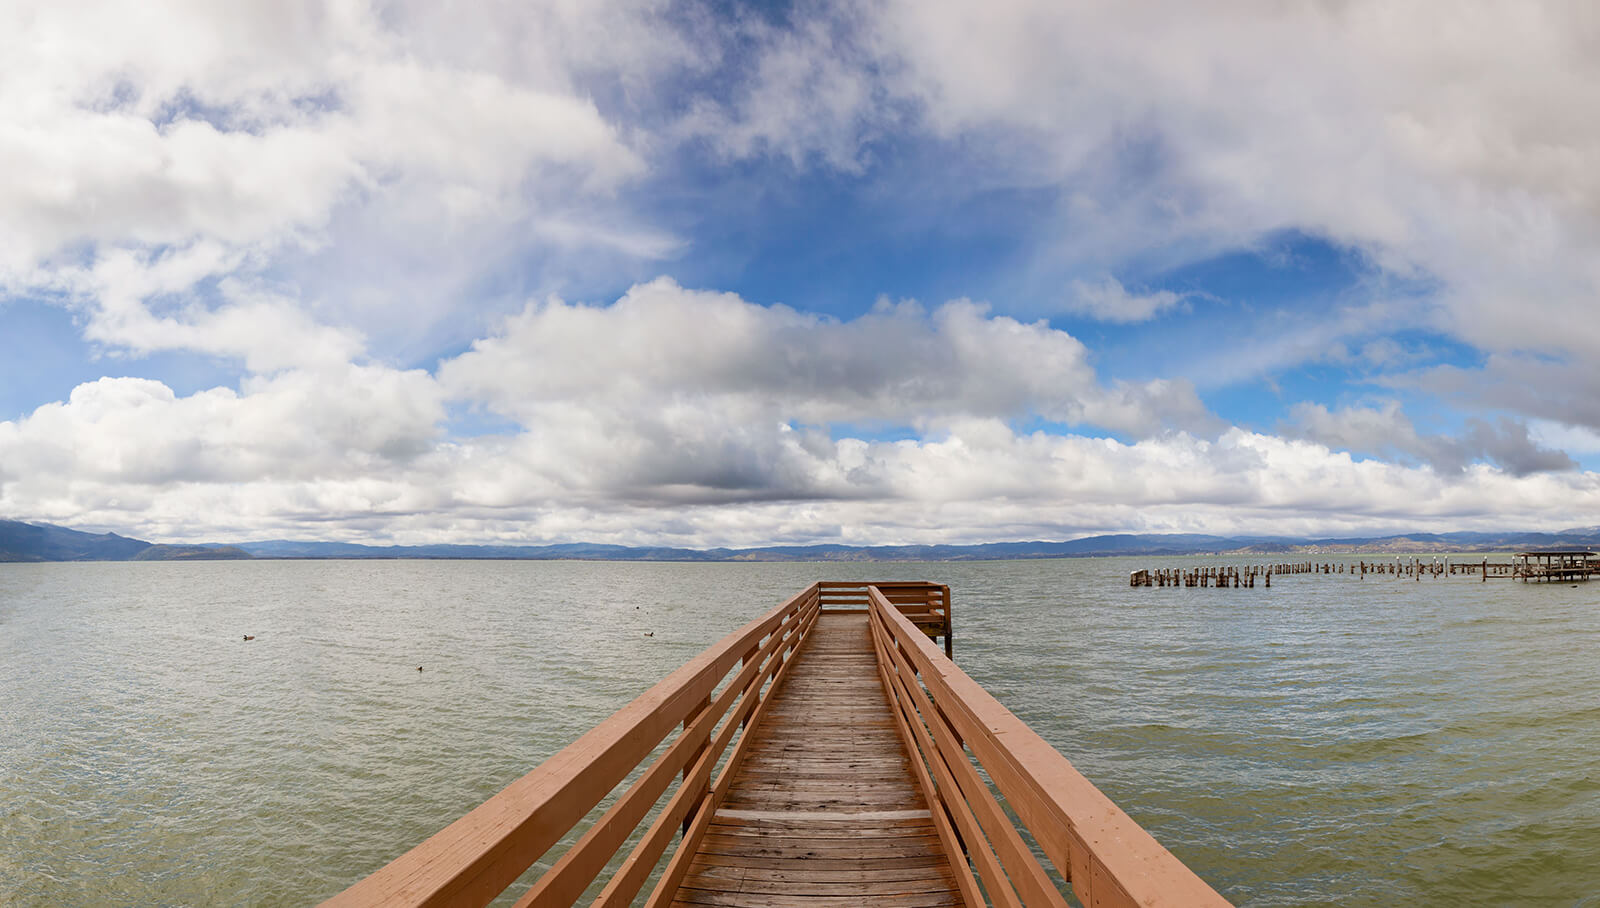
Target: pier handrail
947	719
475	858
927	605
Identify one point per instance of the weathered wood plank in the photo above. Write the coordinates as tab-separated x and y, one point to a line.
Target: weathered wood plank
834	864
719	899
799	848
823	810
805	873
886	836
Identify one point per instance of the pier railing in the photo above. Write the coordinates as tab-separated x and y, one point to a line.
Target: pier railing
474	859
953	727
670	742
927	605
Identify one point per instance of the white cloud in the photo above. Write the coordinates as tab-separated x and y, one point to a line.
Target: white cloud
674	395
421	131
1537	386
810	95
476	135
1109	301
667	398
695	418
147	302
303	187
80	176
1386	431
1436	137
660	346
168	123
207	145
137	432
370	465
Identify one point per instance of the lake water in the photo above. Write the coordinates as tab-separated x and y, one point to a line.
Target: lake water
1330	741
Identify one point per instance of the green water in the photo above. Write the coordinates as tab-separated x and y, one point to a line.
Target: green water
1329	741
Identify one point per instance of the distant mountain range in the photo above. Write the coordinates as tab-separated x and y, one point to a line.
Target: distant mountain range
43	542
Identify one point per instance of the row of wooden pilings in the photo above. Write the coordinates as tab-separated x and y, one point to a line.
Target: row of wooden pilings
1227	576
1417	569
1217	577
1230	576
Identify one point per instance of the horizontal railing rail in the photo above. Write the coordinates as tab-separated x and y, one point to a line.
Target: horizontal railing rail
927	605
949	724
473	860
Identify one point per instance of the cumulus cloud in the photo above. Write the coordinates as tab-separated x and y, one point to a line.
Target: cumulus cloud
680	395
898	364
264	330
1159	128
317	190
167	123
1435	137
131	454
699	418
194	146
137	431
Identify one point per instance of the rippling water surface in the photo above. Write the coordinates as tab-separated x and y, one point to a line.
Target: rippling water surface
1329	741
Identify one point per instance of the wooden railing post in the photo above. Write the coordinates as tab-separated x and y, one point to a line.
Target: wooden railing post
949	624
694	757
745	722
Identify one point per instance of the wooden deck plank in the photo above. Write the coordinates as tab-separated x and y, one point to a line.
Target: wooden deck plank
702	897
824	811
800	849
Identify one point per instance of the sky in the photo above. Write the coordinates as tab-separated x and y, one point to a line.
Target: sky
715	273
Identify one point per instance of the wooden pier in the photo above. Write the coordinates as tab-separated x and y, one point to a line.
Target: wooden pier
1557	566
825	797
827	754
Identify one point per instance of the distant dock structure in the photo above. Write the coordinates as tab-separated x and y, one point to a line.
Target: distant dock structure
1545	566
1571	564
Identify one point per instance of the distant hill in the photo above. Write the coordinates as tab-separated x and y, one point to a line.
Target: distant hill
30	542
1121	544
42	542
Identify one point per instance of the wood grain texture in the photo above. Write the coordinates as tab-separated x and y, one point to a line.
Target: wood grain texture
824	810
